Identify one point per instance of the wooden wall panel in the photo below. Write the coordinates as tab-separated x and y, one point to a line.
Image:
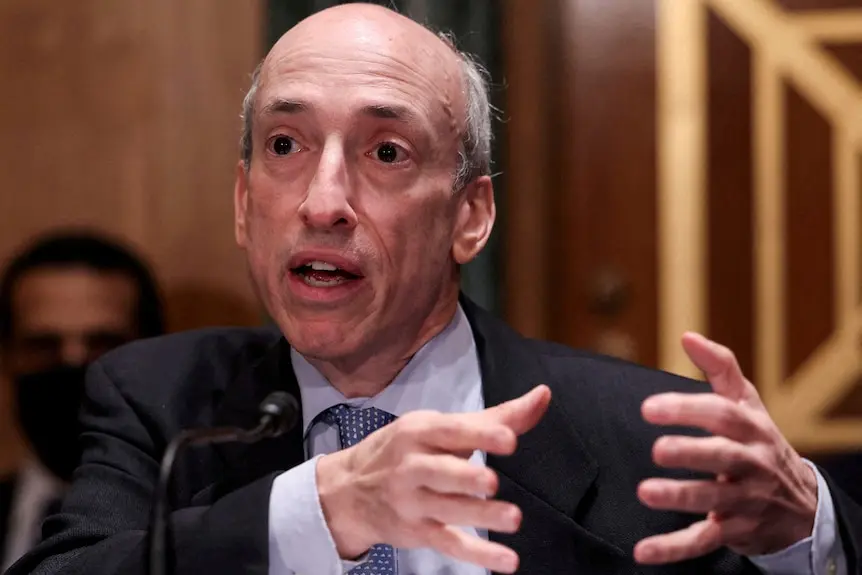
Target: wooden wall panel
603	213
849	55
195	134
124	116
810	246
526	243
75	107
811	264
730	203
804	5
781	271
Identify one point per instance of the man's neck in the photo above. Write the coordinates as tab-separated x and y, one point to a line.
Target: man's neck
373	371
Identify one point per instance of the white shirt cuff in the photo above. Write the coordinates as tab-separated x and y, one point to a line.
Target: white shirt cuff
299	539
819	554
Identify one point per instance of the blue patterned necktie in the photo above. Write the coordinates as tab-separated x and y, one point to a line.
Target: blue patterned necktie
353	426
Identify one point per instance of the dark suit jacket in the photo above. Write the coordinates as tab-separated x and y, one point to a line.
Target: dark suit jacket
574	476
846	471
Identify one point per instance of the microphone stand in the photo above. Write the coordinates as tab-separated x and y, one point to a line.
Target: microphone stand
279	415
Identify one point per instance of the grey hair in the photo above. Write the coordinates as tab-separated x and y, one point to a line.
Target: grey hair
247	116
474	155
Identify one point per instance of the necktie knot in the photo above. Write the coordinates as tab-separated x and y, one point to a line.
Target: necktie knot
355	424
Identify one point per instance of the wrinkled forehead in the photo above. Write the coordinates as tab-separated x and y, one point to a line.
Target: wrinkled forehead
361	68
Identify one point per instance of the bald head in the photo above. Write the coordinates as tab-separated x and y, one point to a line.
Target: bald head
362	36
368	11
359	25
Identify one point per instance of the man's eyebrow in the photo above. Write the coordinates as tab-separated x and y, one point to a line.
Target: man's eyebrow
284	106
380	111
389	112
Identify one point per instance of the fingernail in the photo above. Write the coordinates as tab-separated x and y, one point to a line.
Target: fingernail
514	518
645	489
663	445
651	555
645	554
508	562
652	406
490	484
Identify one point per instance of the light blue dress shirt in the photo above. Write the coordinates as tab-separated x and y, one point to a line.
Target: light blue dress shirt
443	376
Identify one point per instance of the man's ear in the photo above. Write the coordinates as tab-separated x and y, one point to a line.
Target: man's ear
240	205
474	219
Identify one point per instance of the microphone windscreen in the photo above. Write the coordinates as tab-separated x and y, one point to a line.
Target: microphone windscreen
282	408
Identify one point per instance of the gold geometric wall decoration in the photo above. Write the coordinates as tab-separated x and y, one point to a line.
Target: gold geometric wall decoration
786	47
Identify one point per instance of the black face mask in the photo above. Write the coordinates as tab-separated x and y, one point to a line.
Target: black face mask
48	405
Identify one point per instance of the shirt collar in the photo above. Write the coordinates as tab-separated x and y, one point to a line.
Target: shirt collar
442	376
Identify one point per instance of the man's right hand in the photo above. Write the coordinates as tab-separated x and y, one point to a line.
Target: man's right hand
410	484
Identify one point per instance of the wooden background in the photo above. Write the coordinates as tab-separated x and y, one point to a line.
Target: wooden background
124	115
582	262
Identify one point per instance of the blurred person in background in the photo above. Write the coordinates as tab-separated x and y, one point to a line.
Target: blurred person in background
65	300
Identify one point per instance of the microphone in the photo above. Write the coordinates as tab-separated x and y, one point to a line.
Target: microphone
279	414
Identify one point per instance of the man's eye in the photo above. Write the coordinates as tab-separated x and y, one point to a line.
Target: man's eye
284	145
389	153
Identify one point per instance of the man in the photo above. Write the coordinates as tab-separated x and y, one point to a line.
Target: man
66	299
363	186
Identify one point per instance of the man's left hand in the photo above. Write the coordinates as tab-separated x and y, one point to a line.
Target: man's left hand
764	496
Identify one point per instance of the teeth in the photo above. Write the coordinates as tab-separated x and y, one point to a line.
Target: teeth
313	282
322	266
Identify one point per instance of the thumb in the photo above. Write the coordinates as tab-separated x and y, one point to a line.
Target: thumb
523	413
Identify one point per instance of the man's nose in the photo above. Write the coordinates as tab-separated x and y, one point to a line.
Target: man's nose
327	201
74	351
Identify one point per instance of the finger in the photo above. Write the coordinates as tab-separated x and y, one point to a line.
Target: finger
456	543
450	474
460	433
708	411
692	496
710	454
522	414
694	541
720	367
463	510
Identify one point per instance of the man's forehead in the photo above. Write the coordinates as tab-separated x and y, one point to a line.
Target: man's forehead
360	89
346	63
375	50
378	32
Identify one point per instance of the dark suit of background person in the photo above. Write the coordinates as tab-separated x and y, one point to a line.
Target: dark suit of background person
363	185
65	299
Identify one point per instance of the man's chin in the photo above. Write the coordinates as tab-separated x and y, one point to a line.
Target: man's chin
323	343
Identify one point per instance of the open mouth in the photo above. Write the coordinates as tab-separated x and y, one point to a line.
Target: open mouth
323	274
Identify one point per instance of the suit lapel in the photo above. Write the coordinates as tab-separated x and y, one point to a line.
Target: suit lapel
551	473
240	408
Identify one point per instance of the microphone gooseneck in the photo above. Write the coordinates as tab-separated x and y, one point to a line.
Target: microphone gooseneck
279	414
